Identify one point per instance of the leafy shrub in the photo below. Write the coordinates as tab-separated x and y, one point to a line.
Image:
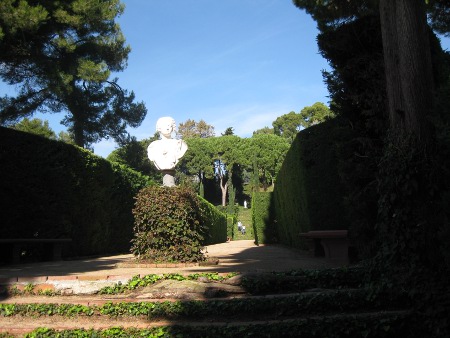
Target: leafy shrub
171	225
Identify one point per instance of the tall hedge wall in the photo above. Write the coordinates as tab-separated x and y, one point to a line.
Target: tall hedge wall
215	220
50	189
308	193
263	226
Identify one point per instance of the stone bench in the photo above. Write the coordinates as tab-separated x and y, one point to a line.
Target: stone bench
333	242
56	245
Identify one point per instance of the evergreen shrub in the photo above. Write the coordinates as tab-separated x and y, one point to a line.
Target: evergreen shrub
231	223
50	189
263	226
216	222
172	224
232	212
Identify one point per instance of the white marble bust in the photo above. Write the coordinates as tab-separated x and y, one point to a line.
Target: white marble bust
166	152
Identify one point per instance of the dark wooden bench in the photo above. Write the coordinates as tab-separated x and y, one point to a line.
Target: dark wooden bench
333	243
56	245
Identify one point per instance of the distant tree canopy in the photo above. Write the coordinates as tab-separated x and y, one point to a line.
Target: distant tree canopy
66	137
228	131
288	125
267	151
220	161
315	114
134	155
42	128
61	55
265	130
35	126
191	128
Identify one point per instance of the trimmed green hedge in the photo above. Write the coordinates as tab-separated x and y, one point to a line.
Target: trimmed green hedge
50	189
263	226
172	224
308	193
215	220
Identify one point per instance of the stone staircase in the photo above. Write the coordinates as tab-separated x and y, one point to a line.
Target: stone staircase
249	304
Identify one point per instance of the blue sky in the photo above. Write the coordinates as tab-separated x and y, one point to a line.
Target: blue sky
232	63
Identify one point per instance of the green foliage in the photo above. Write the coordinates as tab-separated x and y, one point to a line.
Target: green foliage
308	194
265	130
198	159
228	131
134	155
202	162
35	126
66	137
378	326
295	304
413	230
192	129
23	17
231	224
138	282
263	226
51	189
287	125
301	280
232	213
61	56
315	114
311	314
167	226
268	152
397	186
231	207
357	88
439	16
29	288
215	221
228	154
236	155
173	224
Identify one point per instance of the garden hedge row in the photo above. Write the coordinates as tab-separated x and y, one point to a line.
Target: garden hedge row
308	193
263	226
216	221
50	189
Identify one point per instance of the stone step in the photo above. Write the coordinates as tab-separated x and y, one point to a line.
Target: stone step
143	296
383	321
268	306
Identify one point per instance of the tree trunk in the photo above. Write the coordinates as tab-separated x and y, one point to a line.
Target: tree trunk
407	58
78	134
224	188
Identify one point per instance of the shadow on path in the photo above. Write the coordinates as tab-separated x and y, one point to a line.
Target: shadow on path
235	256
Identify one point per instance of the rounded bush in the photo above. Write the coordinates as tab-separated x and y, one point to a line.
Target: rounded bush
168	226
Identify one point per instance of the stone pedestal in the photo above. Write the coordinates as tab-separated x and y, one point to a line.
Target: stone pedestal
168	178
